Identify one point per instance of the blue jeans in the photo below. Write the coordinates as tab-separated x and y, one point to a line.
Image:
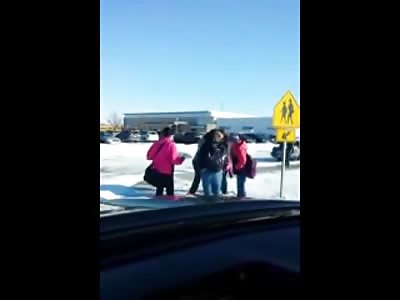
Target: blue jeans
240	181
211	181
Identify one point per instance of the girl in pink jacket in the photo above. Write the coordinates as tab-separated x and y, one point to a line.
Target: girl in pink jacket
164	155
239	157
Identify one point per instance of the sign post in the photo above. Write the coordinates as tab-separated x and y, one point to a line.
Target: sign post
282	169
285	119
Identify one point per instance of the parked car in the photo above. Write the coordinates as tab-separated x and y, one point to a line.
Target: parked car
108	138
294	155
150	136
272	138
256	137
187	138
128	136
246	137
178	138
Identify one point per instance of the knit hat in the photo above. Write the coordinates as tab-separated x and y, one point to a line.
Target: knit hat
234	138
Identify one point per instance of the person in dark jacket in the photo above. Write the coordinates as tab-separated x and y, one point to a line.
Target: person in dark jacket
212	159
226	171
195	162
197	176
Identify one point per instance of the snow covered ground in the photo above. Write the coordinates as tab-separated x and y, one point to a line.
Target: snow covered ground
122	167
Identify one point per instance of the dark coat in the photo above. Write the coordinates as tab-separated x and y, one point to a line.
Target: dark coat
207	150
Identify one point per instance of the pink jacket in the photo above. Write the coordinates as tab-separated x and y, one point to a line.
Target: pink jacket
239	151
168	156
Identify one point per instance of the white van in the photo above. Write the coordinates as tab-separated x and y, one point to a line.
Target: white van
151	136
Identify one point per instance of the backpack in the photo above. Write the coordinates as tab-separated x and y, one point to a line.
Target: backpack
250	167
216	159
152	176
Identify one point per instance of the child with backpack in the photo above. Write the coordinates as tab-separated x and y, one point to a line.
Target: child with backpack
240	163
228	168
212	159
195	163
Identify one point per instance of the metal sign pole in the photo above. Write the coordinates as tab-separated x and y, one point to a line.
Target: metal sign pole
283	168
286	119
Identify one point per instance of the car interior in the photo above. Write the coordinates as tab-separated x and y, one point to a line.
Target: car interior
252	259
249	281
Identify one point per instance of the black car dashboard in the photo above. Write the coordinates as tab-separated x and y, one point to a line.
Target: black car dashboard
232	254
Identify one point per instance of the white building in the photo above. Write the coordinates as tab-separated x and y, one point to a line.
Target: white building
249	125
197	120
200	121
154	120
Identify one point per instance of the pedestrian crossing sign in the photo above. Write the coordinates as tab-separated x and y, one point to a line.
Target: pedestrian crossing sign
286	112
285	135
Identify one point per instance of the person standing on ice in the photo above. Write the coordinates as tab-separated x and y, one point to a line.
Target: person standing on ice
195	162
212	160
239	157
228	167
164	155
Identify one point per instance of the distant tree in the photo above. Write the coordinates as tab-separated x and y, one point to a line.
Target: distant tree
115	120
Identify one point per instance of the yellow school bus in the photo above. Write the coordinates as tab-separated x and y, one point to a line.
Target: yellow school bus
105	127
109	128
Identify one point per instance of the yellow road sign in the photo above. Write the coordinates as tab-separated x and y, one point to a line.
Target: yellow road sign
288	135
286	112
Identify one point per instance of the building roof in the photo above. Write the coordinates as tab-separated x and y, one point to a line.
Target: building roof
169	113
213	113
226	115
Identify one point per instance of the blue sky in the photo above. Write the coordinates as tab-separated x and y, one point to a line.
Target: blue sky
170	55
